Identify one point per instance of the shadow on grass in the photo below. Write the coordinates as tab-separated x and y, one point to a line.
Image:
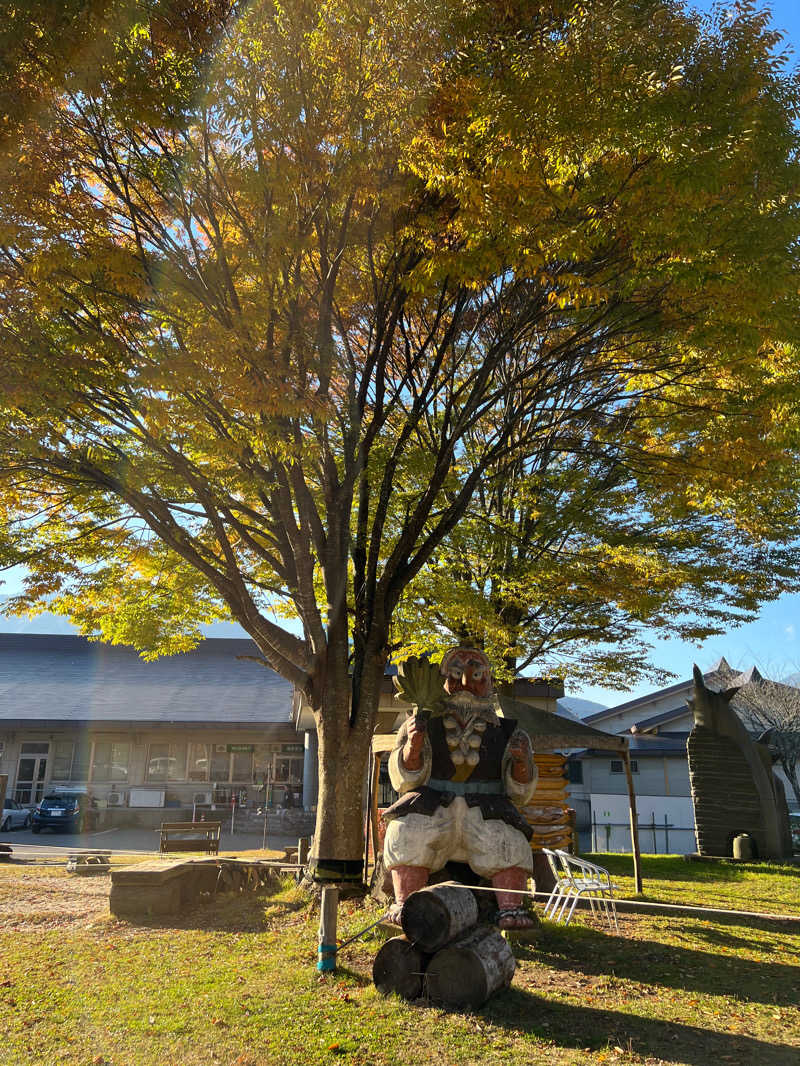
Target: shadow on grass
671	965
589	1027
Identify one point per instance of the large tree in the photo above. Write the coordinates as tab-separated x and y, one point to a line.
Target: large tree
570	570
771	709
273	311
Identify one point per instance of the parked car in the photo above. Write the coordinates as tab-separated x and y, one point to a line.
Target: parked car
794	826
15	816
61	810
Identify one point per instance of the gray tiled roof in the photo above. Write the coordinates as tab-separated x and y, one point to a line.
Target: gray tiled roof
674	744
69	679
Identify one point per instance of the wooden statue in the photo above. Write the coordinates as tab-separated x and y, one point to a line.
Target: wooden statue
461	771
733	787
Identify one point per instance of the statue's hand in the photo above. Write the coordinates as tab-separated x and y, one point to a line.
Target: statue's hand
519	748
416	729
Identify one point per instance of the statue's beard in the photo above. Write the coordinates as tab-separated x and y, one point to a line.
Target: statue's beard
465	702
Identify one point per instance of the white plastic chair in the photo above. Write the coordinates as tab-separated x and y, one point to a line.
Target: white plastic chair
575	878
561	885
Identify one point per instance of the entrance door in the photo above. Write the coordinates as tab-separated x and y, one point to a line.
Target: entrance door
31	772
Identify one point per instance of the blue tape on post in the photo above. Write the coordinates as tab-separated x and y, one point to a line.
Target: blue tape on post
327	958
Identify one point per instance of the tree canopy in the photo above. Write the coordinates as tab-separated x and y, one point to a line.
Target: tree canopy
298	301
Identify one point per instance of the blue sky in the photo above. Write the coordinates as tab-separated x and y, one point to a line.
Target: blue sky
772	641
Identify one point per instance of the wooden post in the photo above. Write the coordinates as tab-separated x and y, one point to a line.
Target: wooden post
637	868
373	807
326	962
368	819
302	850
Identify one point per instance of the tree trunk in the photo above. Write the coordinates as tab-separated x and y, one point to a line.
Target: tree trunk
338	851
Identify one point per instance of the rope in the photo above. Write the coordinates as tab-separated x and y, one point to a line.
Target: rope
357	936
645	904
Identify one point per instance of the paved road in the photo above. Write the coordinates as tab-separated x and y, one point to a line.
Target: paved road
26	843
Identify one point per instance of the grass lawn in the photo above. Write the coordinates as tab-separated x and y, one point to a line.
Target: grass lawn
766	888
235	983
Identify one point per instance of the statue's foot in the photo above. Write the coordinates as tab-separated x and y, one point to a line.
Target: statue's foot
516	918
393	914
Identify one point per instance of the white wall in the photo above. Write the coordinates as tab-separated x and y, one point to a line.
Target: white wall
621	721
611	821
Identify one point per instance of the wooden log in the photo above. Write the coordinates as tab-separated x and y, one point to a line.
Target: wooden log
437	914
472	968
399	968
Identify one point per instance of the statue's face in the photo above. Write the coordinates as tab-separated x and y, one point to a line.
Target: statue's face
467	671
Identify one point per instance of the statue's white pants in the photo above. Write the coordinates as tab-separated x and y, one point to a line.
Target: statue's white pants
457	833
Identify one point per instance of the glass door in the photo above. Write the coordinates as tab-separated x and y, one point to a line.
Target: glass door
31	772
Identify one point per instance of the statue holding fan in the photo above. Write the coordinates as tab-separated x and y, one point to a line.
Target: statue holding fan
461	771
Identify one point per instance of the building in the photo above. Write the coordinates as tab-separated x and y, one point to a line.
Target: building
659	725
194	729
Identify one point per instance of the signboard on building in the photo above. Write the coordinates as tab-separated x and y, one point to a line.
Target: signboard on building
239	749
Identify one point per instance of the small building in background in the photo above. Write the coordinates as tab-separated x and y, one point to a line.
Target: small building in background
658	725
196	730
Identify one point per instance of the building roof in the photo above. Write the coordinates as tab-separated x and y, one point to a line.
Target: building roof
645	746
657	720
718	676
49	679
554	732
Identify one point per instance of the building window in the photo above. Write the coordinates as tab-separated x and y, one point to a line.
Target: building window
288	770
618	766
220	763
575	771
80	762
167	762
62	760
262	763
232	762
242	766
198	762
34	747
110	761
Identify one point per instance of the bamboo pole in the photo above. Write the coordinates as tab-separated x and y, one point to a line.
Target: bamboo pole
637	866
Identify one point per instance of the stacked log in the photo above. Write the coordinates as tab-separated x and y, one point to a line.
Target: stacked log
400	967
548	811
470	969
436	915
444	955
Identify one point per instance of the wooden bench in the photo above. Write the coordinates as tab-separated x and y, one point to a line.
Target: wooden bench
190	836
